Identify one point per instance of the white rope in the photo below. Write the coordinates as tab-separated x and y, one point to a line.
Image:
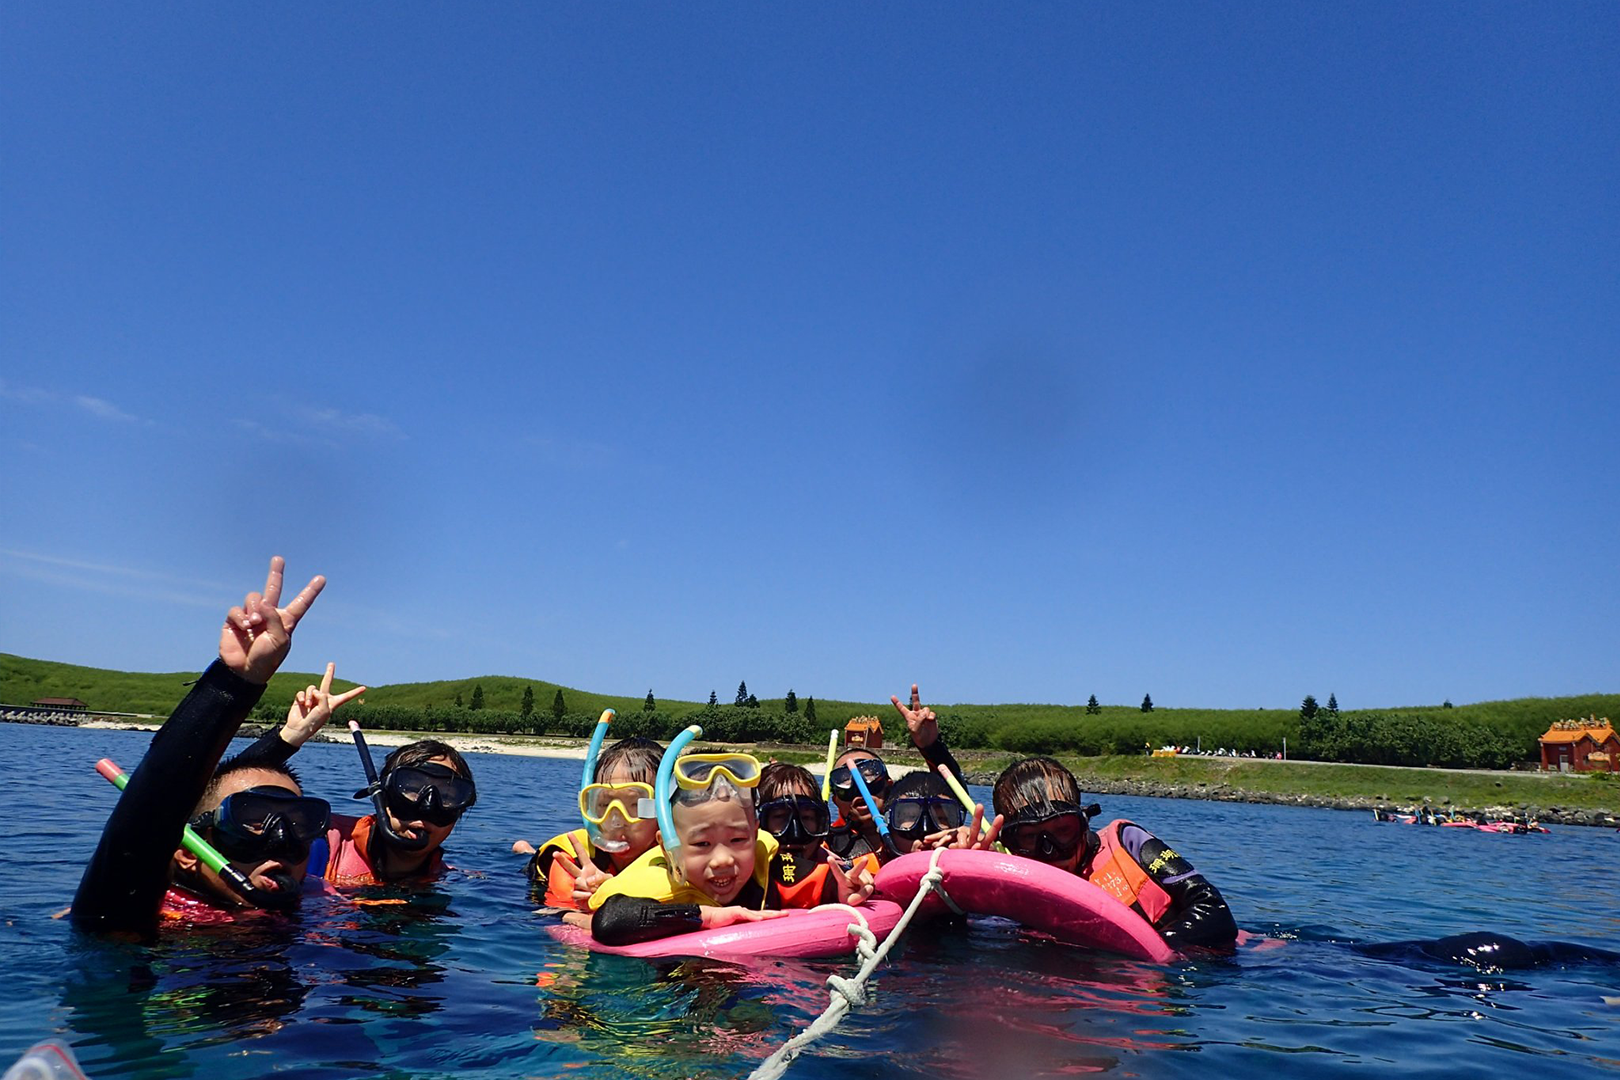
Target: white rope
849	993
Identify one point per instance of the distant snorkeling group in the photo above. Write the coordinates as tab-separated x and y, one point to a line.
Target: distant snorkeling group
671	841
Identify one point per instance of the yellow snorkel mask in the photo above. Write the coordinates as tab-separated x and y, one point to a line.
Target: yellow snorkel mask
697	771
633	800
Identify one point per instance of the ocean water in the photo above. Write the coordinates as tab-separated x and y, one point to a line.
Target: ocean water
465	981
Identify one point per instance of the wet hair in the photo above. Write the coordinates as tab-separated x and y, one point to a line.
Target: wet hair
242	762
919	785
1035	781
638	753
423	751
780	779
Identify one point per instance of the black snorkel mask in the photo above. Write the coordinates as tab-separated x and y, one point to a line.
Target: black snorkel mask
259	825
795	819
374	791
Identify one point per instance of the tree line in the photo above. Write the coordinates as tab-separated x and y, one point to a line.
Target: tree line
1491	736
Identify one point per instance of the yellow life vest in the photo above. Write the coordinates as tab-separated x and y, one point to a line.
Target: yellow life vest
649	876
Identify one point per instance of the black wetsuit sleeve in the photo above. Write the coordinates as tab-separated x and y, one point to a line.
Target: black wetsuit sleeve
937	753
626	920
1199	915
122	888
270	749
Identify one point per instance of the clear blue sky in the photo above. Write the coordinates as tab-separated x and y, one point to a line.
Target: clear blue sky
1224	353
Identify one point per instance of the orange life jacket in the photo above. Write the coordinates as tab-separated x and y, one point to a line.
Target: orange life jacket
1113	870
348	863
799	889
559	882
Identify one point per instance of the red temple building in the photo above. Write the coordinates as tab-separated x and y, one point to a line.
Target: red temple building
1588	745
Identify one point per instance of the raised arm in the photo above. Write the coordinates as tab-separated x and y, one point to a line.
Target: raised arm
122	888
924	727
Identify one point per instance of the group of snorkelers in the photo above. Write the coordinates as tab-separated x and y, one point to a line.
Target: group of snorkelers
671	841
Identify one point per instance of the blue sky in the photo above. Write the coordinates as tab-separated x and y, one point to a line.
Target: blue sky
1223	353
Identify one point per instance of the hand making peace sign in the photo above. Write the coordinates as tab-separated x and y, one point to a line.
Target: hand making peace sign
258	634
313	707
920	720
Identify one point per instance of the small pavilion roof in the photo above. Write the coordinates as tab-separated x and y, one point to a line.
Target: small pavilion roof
1599	733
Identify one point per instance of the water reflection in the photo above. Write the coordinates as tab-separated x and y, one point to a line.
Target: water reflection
199	988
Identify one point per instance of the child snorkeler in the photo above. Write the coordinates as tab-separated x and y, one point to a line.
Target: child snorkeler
1039	800
922	814
713	866
791	809
619	826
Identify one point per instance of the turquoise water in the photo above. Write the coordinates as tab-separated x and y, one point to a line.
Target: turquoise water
465	982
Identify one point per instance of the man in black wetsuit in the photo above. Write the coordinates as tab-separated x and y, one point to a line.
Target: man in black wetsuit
255	814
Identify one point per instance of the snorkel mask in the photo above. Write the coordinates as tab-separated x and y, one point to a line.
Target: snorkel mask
429	791
210	857
697	772
598	801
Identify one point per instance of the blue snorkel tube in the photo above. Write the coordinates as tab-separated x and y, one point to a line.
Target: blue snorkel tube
588	777
666	776
878	817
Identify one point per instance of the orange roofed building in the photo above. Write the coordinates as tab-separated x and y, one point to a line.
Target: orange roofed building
864	731
1588	745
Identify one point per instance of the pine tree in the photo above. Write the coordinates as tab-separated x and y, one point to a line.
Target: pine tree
810	709
559	708
791	702
742	693
1307	708
714	699
649	705
1332	705
1092	707
459	705
1446	704
751	703
478	696
1147	702
527	709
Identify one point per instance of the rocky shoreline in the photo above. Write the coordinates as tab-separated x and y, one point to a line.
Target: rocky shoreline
1154	789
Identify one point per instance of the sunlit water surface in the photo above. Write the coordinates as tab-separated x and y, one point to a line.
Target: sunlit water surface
464	981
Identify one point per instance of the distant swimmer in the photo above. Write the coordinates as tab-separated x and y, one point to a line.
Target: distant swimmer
253	814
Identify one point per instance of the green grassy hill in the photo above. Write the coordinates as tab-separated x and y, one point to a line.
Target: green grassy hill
1016	727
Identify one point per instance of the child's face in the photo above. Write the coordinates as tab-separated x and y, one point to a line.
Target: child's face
717	846
641	834
1062	831
810	846
854	810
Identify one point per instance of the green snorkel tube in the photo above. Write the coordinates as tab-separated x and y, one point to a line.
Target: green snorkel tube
199	847
661	790
588	777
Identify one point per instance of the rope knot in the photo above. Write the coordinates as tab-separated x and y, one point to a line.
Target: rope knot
851	990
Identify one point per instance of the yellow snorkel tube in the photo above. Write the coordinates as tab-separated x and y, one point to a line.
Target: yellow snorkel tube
832	756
